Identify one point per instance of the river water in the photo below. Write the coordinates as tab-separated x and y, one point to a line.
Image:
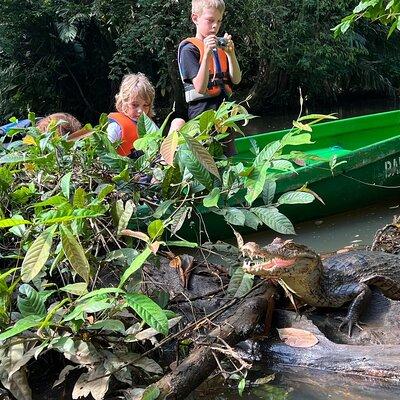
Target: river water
355	228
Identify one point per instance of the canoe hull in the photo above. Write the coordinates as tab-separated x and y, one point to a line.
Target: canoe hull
370	174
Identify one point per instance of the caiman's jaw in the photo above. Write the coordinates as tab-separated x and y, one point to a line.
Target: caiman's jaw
279	259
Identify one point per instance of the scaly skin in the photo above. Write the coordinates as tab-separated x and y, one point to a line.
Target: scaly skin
333	282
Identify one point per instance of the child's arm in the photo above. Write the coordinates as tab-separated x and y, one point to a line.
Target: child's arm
234	69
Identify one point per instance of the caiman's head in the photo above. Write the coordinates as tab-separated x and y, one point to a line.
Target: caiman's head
279	259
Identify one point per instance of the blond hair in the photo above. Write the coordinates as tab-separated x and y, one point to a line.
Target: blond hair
69	123
199	5
133	86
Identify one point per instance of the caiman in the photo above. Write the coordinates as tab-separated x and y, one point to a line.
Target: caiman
336	280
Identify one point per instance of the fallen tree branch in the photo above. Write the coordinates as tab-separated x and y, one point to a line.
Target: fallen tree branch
201	361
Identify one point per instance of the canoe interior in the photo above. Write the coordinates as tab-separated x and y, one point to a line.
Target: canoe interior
338	137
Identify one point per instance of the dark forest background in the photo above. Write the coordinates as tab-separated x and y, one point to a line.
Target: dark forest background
70	55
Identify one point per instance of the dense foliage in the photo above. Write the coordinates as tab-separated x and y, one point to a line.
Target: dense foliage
386	12
78	222
70	55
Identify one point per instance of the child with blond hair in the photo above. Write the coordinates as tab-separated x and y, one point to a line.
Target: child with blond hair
135	97
208	65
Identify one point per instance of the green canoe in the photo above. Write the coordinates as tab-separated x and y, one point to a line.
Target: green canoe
369	144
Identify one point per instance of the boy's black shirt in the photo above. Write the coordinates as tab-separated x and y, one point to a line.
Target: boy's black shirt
190	65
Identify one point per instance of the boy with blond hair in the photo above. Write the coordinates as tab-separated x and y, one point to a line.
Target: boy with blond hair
208	65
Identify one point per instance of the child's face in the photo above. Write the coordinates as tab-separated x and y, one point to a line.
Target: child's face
138	107
208	23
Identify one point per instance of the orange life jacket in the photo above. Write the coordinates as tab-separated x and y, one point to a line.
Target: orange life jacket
129	132
217	80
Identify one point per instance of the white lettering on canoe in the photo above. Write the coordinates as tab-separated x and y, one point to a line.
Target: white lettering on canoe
392	167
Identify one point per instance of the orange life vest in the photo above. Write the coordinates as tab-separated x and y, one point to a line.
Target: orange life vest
129	132
217	80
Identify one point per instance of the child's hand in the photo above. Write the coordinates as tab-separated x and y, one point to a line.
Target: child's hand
230	46
210	43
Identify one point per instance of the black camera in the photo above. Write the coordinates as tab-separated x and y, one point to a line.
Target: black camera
222	42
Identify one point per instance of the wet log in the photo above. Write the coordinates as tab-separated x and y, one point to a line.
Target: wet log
373	361
201	362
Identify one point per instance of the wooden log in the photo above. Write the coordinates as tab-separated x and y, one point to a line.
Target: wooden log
201	362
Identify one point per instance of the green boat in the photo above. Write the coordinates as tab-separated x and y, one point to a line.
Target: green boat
370	147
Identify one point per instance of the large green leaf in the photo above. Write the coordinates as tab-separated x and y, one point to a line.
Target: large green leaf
267	153
8	222
126	216
202	155
256	185
179	218
75	254
79	200
155	229
189	161
269	191
271	217
211	200
296	198
240	283
149	311
21	325
136	264
37	255
235	216
65	184
251	219
30	302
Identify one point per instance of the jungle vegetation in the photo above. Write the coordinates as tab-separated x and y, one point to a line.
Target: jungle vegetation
70	55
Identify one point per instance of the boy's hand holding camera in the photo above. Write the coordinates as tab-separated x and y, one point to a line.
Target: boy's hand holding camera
212	42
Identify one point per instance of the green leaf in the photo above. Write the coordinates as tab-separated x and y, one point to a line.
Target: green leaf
255	185
178	219
267	153
271	217
151	393
146	125
202	155
79	200
75	254
296	139
269	191
113	325
37	255
101	292
104	191
163	208
302	127
155	229
296	198
240	283
126	216
234	216
136	264
21	325
182	243
251	220
8	222
211	200
189	161
149	311
65	184
241	386
30	303
77	289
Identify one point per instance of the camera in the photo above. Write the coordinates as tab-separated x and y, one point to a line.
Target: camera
222	42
